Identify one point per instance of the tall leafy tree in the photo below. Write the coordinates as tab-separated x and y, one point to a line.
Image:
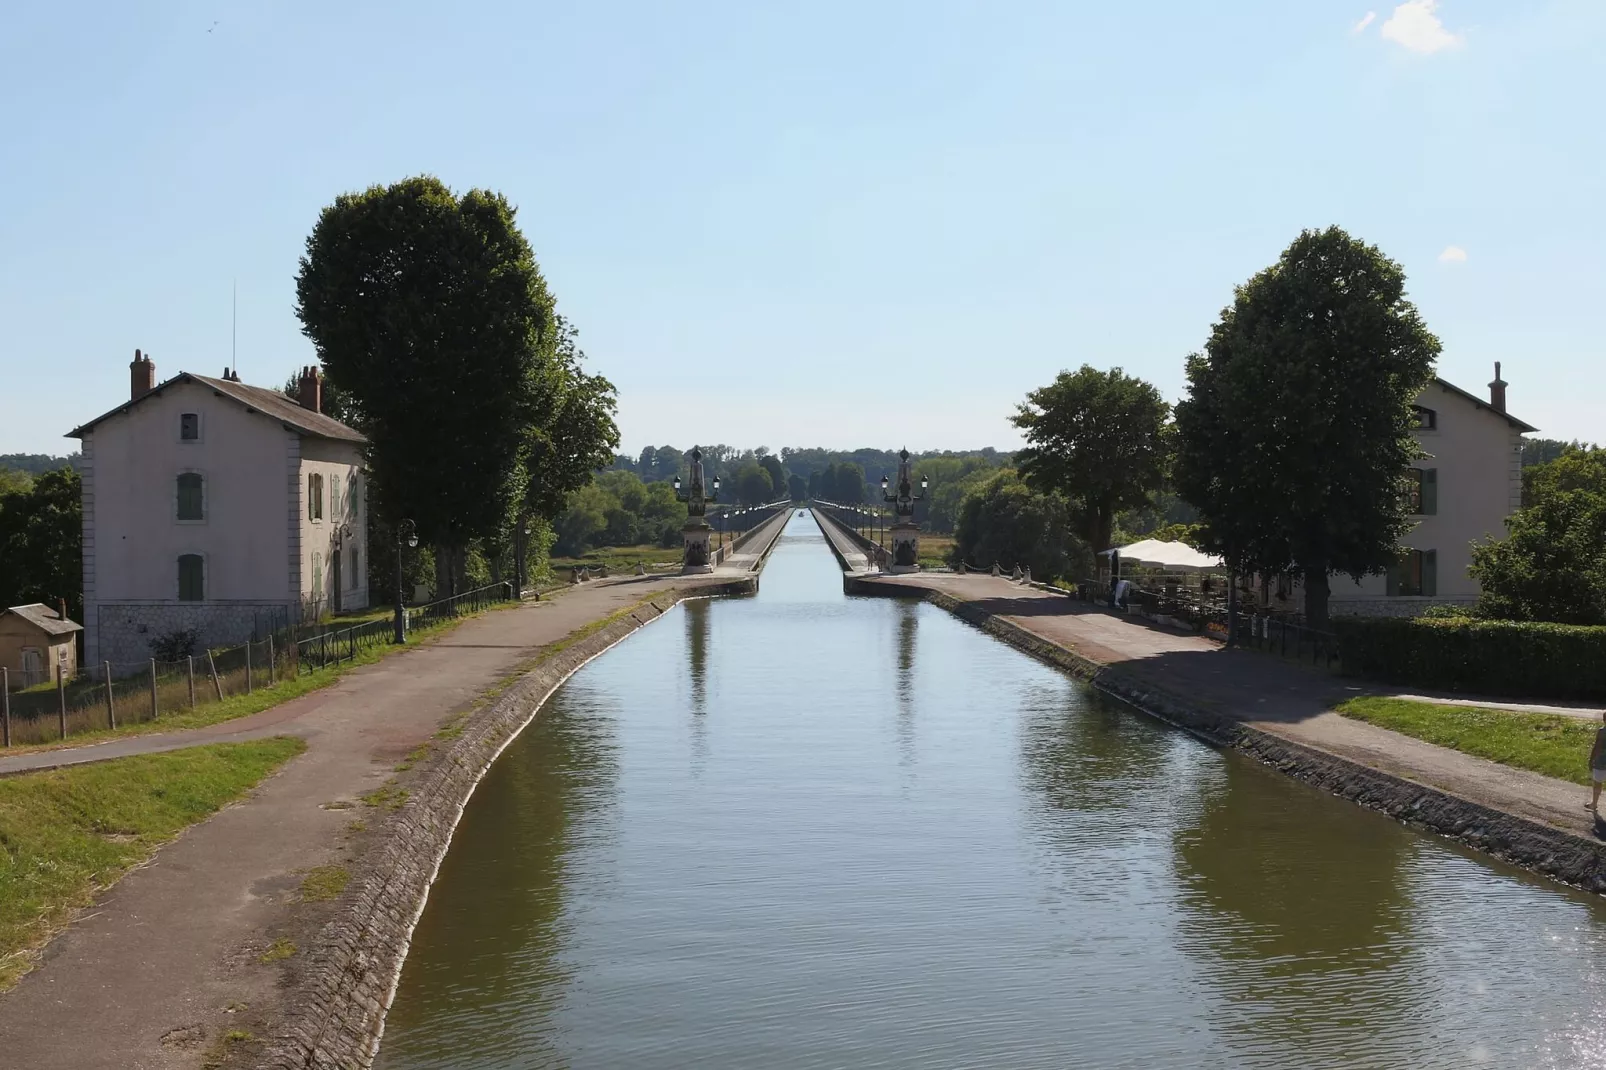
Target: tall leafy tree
1099	438
1003	521
429	311
1552	564
41	542
753	486
772	464
1296	430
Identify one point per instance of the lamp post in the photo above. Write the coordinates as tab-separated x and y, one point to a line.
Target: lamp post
696	529
406	535
905	533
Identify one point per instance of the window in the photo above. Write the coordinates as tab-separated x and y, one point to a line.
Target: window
1426	419
334	496
189	427
317	577
191	496
352	497
1416	574
356	572
1422	491
191	578
314	497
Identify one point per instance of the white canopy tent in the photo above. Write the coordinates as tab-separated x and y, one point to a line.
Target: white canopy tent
1175	556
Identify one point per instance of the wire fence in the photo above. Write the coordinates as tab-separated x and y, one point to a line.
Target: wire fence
95	698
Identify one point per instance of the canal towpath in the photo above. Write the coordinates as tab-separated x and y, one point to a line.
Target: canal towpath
170	961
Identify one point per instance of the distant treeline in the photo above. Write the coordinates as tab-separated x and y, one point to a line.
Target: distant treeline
37	464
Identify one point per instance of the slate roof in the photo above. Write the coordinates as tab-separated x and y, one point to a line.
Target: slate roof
46	619
270	403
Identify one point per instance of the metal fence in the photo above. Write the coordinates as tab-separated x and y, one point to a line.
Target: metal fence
100	697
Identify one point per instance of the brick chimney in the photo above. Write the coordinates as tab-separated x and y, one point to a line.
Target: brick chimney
310	389
141	376
1497	390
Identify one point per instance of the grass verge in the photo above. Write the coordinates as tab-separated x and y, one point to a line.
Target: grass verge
1549	743
67	834
263	697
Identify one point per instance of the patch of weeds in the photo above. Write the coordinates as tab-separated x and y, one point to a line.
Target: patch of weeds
357	826
278	951
324	882
418	754
453	728
387	795
226	1045
339	804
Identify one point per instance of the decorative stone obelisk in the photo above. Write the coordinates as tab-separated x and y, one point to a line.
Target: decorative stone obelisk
696	530
905	532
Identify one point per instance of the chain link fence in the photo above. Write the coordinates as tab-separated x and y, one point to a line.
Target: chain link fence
95	698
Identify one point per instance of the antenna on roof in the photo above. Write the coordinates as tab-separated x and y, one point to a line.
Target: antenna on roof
234	333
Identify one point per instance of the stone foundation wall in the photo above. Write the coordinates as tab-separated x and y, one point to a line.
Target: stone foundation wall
337	1016
126	630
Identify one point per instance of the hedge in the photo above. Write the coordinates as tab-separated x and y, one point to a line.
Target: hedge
1489	657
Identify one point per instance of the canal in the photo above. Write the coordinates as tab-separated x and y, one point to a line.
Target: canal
806	830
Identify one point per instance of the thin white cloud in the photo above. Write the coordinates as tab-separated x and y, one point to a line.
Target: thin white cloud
1366	20
1453	254
1415	25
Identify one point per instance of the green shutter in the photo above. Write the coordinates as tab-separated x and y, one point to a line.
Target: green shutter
191	578
1430	572
1430	491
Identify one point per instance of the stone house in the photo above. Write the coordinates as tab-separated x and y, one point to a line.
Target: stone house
218	511
1461	492
34	641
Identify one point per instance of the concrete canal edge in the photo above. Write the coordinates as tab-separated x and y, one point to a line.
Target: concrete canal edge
1512	838
336	1018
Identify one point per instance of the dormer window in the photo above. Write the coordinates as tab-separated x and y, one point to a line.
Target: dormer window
1426	418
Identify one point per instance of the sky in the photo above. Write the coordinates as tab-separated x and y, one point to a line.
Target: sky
833	224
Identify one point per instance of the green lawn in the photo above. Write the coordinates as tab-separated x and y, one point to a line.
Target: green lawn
1553	744
621	558
68	833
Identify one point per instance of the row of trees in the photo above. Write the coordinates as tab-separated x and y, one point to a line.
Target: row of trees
441	342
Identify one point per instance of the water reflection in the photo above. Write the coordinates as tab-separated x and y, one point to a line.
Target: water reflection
487	969
908	615
1297	920
742	870
698	616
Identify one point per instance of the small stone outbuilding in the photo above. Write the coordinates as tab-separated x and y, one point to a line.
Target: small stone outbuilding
34	640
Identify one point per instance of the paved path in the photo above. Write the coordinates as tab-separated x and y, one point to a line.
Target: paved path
1286	698
148	978
857	560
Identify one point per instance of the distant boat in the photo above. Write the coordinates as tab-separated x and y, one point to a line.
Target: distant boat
800	512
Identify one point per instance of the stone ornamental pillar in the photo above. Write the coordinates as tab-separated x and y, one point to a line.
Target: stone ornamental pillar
905	532
696	530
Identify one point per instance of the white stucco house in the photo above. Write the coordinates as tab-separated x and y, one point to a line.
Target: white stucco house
1462	491
216	507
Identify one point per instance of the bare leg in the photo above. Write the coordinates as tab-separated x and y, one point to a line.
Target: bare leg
1594	798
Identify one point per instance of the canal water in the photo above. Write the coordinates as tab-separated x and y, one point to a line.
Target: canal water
805	830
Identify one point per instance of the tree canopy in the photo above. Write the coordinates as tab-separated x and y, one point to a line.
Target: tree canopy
1007	523
41	542
753	486
1099	438
429	311
1296	431
1551	566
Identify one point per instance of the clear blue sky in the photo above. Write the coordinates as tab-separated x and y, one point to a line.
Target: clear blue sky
841	224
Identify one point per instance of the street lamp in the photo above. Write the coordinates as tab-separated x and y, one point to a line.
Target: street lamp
406	535
338	539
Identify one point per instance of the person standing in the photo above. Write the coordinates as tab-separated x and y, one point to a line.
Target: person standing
1597	762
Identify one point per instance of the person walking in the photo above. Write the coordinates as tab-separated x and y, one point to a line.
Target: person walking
1597	762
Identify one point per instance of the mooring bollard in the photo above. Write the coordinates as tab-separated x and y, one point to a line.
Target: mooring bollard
111	710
